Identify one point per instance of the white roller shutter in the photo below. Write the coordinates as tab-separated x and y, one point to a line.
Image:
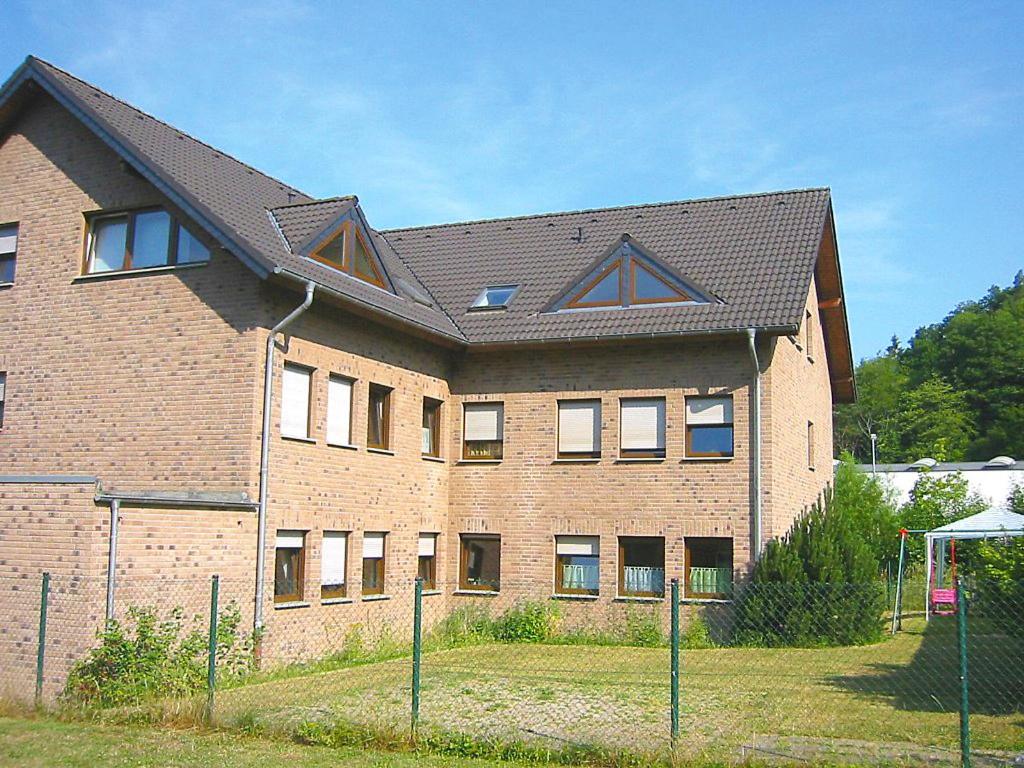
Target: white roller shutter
484	421
373	545
709	410
428	544
578	545
295	402
339	410
8	240
643	424
290	539
579	426
332	558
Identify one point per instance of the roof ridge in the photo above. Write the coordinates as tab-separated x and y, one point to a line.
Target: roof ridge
610	208
316	201
168	125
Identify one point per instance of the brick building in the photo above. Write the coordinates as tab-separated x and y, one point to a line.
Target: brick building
576	406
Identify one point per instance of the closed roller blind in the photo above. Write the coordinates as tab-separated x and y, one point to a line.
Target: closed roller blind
578	545
579	426
709	410
8	240
332	558
339	410
295	402
428	544
373	545
643	424
290	539
484	421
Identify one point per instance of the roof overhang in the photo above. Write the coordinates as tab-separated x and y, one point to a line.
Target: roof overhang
832	310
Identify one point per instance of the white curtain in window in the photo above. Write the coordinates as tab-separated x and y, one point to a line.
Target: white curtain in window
332	558
428	544
290	539
578	545
373	545
579	426
295	402
643	424
339	410
484	421
709	410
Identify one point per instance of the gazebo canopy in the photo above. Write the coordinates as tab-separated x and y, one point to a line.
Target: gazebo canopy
994	522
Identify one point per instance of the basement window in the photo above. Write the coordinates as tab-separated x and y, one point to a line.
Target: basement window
480	564
495	297
708	567
140	240
641	566
373	563
333	558
427	560
289	566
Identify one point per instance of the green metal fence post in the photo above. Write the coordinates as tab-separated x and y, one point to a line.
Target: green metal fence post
675	661
211	653
44	600
965	711
417	650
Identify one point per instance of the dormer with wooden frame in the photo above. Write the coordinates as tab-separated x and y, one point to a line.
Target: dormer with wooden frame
345	244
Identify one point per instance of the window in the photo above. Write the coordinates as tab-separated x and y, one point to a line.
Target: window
641	566
628	278
339	410
495	297
363	265
605	290
810	445
431	434
333	560
3	395
480	566
809	335
332	253
642	428
708	567
295	389
709	427
483	431
140	239
378	418
289	566
650	288
348	252
8	252
427	566
576	565
373	563
579	429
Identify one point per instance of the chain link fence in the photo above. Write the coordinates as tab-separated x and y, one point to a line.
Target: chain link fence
795	673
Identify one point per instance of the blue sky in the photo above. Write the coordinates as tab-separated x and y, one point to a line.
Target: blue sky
431	112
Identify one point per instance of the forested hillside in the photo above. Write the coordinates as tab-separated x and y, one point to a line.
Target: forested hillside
954	392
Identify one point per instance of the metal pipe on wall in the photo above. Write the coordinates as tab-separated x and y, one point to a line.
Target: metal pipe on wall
115	513
755	418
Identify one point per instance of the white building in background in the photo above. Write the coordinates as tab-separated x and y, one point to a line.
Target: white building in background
992	480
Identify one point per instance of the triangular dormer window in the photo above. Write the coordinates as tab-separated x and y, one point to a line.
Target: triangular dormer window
345	246
628	276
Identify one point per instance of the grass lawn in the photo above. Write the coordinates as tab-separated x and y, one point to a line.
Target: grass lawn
42	743
896	699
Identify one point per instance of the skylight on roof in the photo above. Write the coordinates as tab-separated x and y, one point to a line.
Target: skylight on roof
495	297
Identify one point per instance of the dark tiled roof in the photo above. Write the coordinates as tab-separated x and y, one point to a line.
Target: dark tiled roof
298	222
755	253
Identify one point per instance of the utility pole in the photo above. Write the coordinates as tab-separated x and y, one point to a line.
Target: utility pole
874	442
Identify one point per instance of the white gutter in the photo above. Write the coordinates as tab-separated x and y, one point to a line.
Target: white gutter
755	448
268	393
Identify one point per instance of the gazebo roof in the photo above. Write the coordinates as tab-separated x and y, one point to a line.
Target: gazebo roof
992	523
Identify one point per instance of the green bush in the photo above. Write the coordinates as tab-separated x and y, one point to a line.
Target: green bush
529	622
151	658
697	635
818	585
643	628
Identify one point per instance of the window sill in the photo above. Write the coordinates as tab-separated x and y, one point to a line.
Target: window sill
347	446
374	598
381	451
297	439
639	459
335	600
707	458
479	461
435	459
6	285
292	604
587	460
477	592
637	599
131	272
428	592
575	597
707	600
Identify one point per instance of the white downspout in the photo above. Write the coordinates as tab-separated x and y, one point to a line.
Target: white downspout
268	393
755	448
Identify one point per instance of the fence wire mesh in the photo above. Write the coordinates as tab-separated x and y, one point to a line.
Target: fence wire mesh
808	672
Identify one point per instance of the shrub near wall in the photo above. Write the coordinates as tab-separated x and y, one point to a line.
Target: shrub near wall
818	585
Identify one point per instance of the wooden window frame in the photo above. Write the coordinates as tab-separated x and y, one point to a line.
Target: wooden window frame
385	427
496	450
350	233
464	539
430	579
687	564
633	299
575	303
376	278
690	453
560	588
317	252
637	453
129	239
336	592
379	568
432	410
300	573
570	455
621	590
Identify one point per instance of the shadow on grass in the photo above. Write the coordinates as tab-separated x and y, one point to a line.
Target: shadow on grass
930	682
